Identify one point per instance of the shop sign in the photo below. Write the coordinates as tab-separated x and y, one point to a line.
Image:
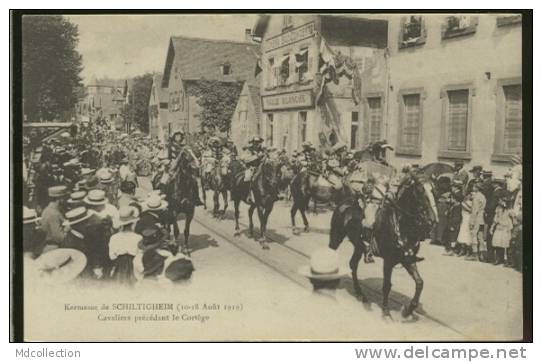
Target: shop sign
287	100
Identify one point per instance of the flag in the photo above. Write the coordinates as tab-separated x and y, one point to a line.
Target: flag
258	69
301	58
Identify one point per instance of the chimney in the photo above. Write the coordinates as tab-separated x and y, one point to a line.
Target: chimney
248	35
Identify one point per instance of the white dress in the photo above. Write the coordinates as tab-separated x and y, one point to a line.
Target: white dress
465	235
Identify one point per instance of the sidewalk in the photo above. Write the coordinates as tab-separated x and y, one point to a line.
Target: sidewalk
479	300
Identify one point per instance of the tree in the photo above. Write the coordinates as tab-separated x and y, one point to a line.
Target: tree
217	101
51	66
136	112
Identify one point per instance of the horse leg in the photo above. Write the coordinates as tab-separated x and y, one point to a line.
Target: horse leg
263	225
302	209
236	209
189	216
225	198
315	209
354	263
203	194
412	270
386	287
250	223
215	203
293	211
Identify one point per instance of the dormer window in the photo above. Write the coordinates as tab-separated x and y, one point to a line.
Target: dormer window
225	69
455	26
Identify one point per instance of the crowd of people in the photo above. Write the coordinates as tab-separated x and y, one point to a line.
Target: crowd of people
80	198
81	216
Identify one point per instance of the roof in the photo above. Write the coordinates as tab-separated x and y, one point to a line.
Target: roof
254	94
197	58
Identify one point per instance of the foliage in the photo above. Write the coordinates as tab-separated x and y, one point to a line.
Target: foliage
51	67
136	112
217	101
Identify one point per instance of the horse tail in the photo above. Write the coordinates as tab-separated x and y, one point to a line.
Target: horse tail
337	230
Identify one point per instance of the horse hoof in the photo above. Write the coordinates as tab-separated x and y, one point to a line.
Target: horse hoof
264	246
407	311
386	312
306	229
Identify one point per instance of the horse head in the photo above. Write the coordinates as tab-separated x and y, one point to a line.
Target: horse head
271	171
415	201
188	162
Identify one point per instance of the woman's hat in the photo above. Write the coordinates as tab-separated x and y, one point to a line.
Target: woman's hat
152	239
77	197
155	202
60	265
338	146
324	265
179	270
128	187
76	215
476	169
127	215
29	216
95	198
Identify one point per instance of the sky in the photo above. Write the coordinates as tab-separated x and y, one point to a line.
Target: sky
120	46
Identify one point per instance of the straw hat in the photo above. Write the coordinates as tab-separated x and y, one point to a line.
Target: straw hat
324	265
57	191
127	215
60	265
105	176
77	197
95	197
76	215
155	202
29	216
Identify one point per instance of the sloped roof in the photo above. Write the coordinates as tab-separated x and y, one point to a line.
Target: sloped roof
197	58
254	94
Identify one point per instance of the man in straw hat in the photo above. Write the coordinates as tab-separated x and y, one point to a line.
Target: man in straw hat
96	200
324	272
52	217
152	214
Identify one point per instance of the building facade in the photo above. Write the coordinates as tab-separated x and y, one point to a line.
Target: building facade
292	49
105	99
158	109
191	61
455	89
246	120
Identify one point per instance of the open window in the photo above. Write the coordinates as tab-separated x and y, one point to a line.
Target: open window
460	25
412	32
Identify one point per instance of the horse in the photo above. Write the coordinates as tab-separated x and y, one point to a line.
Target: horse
400	223
307	185
217	180
264	187
181	191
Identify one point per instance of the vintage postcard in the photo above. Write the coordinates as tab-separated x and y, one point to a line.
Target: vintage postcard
275	177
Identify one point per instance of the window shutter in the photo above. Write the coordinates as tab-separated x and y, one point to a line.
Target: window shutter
410	133
457	120
402	31
424	30
513	119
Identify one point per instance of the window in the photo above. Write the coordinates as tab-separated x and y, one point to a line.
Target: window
410	122
354	130
163	105
269	132
374	118
457	120
455	26
225	68
302	127
271	76
284	70
243	118
287	22
412	32
513	119
302	64
508	20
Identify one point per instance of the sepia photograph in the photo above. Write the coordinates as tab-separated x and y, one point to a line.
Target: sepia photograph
304	176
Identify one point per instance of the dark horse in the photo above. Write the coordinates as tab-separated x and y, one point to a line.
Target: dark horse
264	187
402	221
182	189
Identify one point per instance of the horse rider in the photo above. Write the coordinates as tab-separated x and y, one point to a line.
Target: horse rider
336	162
176	145
230	148
378	151
257	153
